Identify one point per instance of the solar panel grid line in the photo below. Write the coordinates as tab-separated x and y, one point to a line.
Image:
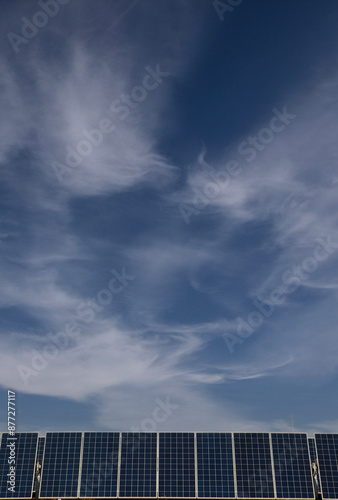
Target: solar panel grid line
196	465
119	465
25	451
157	466
273	467
80	466
234	464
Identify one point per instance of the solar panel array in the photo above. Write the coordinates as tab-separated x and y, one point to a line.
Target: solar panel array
18	451
327	452
170	465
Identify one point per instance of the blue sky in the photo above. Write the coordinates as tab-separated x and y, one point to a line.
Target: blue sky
168	230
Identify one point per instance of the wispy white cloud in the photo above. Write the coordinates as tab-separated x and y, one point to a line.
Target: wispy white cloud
287	195
290	183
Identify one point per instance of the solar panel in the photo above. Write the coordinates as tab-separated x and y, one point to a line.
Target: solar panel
177	464
19	449
60	470
138	464
253	465
215	470
41	449
327	452
99	464
292	465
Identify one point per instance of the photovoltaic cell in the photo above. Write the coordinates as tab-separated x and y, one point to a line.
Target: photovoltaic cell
292	465
25	444
327	451
253	465
138	464
41	447
176	464
60	470
99	464
215	465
